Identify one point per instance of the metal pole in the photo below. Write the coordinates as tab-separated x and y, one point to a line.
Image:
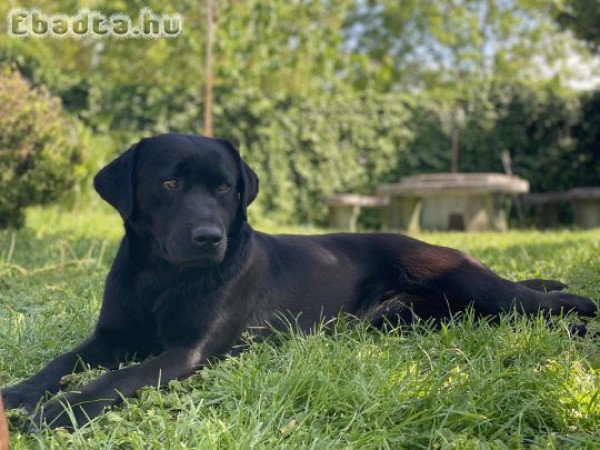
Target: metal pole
454	148
457	122
208	129
507	164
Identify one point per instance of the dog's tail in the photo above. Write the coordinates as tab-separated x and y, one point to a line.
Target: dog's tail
3	427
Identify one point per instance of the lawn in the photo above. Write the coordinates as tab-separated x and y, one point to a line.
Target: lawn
470	385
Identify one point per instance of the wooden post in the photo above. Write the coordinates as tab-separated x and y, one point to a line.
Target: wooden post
208	129
3	428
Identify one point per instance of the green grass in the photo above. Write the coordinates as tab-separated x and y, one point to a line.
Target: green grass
518	384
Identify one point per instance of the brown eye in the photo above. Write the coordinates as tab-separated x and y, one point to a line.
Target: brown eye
171	184
224	187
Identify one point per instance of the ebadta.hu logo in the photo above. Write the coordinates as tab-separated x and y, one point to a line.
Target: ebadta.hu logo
33	22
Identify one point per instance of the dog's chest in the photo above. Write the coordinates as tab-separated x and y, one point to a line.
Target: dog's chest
149	286
177	308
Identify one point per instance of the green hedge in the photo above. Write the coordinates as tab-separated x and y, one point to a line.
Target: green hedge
306	149
553	139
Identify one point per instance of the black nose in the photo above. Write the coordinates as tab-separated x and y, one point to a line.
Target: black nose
207	236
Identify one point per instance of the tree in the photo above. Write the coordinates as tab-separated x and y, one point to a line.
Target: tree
135	87
293	47
426	44
582	17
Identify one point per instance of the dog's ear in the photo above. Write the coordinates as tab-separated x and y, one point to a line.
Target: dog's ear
249	179
115	183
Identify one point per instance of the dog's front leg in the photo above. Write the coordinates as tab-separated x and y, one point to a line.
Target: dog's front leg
177	361
95	351
77	408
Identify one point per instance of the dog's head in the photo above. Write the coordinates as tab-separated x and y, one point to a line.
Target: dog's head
185	193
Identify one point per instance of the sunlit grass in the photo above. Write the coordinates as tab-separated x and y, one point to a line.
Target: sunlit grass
471	385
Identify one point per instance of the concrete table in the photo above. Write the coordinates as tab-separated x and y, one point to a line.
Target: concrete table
452	201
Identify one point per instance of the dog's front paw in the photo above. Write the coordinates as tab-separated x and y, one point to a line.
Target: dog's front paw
71	411
55	414
22	395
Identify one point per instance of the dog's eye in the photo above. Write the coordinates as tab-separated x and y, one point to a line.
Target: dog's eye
224	187
171	184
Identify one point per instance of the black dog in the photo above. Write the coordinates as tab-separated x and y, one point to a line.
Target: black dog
191	276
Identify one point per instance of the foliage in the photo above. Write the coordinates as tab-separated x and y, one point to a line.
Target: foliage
293	47
40	148
135	87
307	48
583	18
448	44
587	133
540	128
123	87
549	136
518	383
305	149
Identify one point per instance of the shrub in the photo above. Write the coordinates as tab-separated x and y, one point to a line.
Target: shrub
39	147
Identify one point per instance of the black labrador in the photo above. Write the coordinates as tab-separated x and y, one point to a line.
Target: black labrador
191	275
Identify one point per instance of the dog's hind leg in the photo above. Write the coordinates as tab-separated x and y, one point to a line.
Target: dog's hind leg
447	276
403	309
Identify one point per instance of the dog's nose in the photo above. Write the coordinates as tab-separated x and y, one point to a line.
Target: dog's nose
207	236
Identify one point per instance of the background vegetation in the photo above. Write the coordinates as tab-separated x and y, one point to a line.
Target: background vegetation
307	87
40	147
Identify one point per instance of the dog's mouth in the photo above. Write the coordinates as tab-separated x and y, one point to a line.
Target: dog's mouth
188	257
197	263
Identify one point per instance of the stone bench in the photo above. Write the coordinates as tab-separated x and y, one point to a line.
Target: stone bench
586	206
585	202
344	209
545	207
